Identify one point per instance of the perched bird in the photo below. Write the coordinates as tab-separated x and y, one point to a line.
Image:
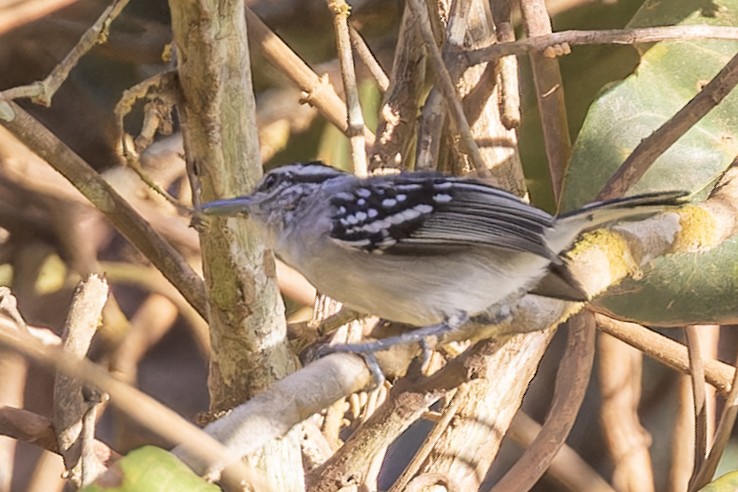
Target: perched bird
421	248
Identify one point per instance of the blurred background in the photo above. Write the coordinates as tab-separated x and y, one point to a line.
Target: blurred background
50	237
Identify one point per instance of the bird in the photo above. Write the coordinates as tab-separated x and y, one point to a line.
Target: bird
422	248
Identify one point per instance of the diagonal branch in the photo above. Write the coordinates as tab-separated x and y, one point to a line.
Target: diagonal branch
43	91
614	36
160	252
651	147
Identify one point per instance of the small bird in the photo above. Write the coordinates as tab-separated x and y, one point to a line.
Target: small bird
421	248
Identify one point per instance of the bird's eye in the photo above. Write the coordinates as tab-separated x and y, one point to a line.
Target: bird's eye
269	183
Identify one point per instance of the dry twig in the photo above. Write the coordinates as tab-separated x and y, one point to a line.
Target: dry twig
86	180
722	435
446	85
42	91
699	398
550	95
74	413
615	36
141	408
571	386
356	128
366	56
317	91
666	351
651	147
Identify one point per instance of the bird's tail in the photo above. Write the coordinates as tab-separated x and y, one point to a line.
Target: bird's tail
571	224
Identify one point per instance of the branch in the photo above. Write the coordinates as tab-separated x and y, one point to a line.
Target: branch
71	407
666	351
446	85
43	91
139	407
615	36
398	114
572	379
318	92
356	128
274	411
38	430
550	95
651	147
161	253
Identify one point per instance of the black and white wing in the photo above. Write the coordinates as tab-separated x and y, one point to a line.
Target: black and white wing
427	213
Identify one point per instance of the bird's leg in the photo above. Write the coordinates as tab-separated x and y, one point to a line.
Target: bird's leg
420	335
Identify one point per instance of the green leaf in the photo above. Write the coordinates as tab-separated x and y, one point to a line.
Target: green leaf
726	483
680	289
668	76
150	469
684	288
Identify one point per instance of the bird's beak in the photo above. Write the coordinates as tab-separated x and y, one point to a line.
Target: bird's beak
229	206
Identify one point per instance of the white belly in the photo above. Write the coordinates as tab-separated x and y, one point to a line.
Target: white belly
420	291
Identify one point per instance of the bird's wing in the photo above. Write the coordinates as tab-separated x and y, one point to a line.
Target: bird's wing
416	214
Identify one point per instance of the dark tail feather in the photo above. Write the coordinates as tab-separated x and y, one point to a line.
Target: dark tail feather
618	208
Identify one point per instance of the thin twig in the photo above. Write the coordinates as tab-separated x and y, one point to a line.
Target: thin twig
651	147
367	57
615	36
699	399
567	468
141	408
550	95
432	125
722	435
317	91
139	232
446	84
449	413
571	385
666	351
43	91
71	408
38	430
356	128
